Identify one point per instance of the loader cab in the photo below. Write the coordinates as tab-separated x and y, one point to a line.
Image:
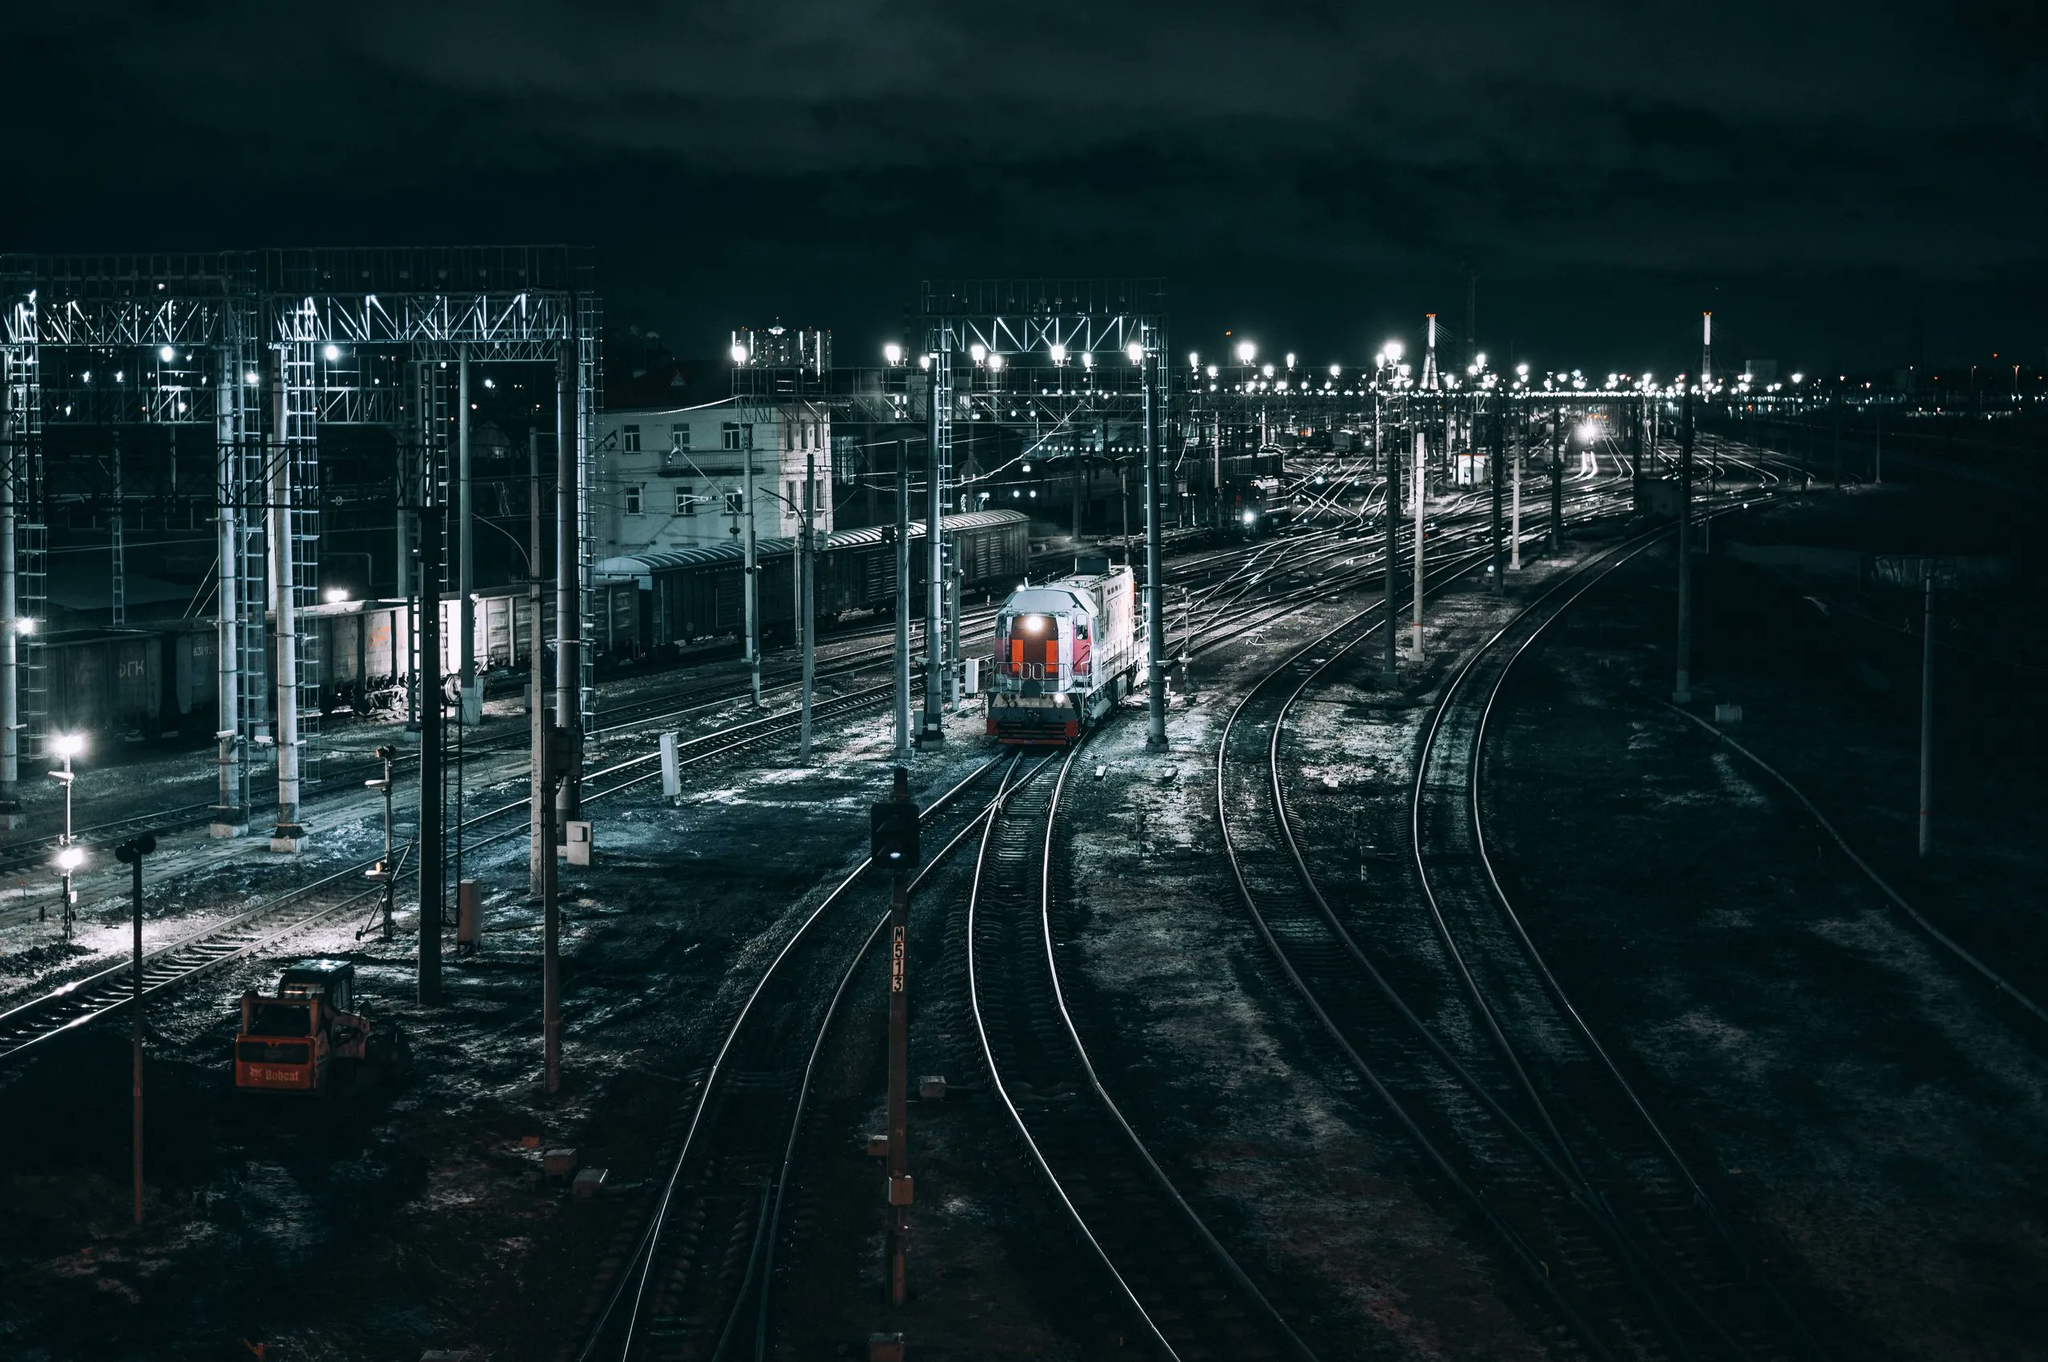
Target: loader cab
289	1042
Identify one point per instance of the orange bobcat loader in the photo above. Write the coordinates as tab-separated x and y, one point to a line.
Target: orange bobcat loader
293	1042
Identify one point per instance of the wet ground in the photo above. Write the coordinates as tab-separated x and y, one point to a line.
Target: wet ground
1868	1119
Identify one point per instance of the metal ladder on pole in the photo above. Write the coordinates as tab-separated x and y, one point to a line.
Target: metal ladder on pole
589	396
32	532
297	363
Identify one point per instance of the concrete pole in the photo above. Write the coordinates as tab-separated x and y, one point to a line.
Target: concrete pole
465	518
1499	459
405	653
807	537
10	632
1555	538
1682	692
1515	516
1927	712
135	1014
1155	592
430	756
903	600
1389	672
751	569
552	748
288	834
540	844
1421	506
568	586
899	1065
231	811
1216	467
1635	452
935	580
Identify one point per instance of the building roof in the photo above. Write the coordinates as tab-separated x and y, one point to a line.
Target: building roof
640	564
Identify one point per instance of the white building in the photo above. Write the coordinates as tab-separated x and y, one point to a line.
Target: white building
674	477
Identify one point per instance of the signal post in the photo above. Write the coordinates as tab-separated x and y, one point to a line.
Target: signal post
893	824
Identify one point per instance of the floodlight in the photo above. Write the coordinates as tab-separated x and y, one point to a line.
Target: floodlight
67	744
892	353
70	858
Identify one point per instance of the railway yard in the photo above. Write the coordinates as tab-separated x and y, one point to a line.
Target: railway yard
1500	1008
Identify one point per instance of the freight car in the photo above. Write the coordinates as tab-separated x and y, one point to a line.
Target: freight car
1066	652
694	593
133	683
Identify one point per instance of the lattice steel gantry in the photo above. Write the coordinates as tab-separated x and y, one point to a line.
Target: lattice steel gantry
266	347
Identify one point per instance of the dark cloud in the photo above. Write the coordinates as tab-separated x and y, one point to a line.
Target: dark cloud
1319	170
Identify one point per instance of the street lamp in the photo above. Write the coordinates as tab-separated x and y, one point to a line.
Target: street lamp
892	354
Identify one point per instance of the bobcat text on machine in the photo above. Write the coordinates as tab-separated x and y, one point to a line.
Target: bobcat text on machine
1066	652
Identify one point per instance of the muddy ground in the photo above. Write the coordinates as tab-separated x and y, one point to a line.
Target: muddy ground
1870	1122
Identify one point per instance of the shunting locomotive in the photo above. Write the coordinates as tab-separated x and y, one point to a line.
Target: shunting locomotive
1066	652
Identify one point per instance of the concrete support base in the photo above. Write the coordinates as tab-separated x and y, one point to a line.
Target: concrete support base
11	816
229	823
288	838
932	737
473	704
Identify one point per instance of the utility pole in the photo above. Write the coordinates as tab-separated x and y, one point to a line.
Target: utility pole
1682	693
1421	500
807	531
1555	538
1390	675
894	847
131	853
1155	615
903	600
465	586
938	445
287	835
1515	522
552	757
540	851
1635	453
751	572
386	871
1499	467
11	624
568	583
1927	710
430	753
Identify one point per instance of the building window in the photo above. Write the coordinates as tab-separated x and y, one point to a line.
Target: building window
794	505
679	436
633	499
629	439
729	435
686	504
735	504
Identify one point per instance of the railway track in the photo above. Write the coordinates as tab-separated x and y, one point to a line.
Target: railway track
695	1284
1717	1301
1631	1264
1185	1291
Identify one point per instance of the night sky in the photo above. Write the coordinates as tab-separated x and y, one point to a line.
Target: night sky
1316	176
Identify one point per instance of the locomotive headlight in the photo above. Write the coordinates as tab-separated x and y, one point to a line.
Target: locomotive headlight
1034	624
1251	517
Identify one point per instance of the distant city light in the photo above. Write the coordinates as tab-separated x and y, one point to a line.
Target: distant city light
1335	370
1246	352
1290	359
739	353
1393	352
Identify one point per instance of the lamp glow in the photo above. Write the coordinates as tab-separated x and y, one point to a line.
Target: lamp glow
67	744
70	858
